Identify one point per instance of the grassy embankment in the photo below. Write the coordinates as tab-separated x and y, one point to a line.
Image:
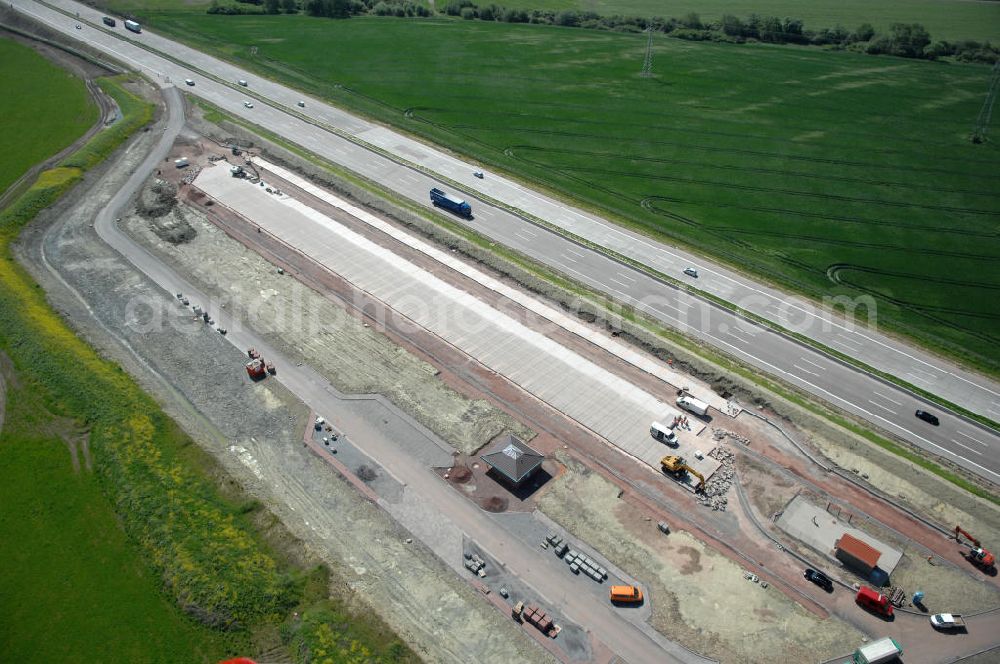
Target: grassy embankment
102	580
58	114
818	164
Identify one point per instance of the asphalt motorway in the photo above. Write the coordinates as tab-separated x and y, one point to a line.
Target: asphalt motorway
884	405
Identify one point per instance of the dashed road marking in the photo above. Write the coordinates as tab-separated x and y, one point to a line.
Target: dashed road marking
976	440
966	447
885	408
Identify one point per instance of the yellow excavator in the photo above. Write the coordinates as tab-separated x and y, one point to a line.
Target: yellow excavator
674	465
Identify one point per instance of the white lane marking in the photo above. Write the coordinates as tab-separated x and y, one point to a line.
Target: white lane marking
966	447
812	373
887	398
567	258
620	283
738	333
624	276
576	253
885	408
821	368
976	440
848	341
526	238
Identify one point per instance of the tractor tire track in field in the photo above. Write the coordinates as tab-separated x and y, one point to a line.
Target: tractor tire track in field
990	165
571	135
920	146
926	311
986	233
717	184
626	95
510	151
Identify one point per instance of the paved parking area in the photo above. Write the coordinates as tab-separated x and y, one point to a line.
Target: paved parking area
820	529
603	402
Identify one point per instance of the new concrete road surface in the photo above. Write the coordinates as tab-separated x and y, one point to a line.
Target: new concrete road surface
598	399
350	141
608	624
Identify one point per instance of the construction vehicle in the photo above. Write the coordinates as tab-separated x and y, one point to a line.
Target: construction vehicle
877	652
256	369
874	601
449	202
675	465
977	555
699	408
948	621
132	26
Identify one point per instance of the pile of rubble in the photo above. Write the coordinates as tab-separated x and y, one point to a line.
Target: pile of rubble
191	175
714	494
156	200
720	434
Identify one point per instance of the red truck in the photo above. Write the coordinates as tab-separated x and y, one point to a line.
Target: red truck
874	601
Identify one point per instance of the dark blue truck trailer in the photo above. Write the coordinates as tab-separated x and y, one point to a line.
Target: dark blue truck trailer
449	202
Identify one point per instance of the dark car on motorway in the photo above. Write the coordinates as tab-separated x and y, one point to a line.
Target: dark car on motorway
820	579
930	418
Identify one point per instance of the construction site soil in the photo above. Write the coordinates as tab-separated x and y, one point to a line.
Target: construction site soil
780	450
596	493
691	586
318	330
254	430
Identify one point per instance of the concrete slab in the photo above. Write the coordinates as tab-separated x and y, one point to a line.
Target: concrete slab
602	401
820	529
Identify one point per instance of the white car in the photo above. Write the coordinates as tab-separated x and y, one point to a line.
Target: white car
691	272
248	104
302	104
189	81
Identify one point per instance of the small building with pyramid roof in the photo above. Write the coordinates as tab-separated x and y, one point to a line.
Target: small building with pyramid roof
512	460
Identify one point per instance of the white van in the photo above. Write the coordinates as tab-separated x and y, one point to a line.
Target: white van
664	434
693	405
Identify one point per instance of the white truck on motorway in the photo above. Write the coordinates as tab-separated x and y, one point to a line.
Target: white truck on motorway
693	405
947	620
879	651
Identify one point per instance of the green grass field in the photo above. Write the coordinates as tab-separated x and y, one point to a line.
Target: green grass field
802	165
131	553
55	114
75	589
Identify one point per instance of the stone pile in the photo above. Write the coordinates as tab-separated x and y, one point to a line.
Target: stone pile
720	434
191	175
717	487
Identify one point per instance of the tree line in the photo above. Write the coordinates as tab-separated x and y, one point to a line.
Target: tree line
906	40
